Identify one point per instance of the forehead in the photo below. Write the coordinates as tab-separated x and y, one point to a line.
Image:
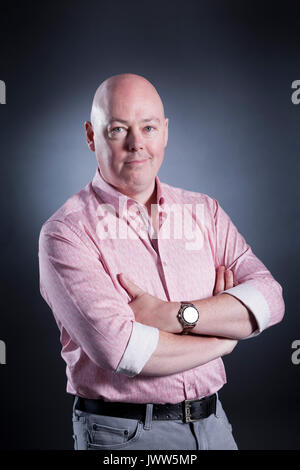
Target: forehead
130	102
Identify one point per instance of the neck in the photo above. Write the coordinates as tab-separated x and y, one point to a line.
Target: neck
146	198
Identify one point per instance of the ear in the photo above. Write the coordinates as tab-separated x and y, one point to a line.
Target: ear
166	131
89	135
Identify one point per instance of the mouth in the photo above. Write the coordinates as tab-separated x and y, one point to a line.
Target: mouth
136	162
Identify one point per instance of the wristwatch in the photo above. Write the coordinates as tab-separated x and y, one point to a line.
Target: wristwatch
188	316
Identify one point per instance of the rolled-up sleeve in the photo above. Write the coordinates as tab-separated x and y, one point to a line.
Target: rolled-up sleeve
256	287
89	304
142	344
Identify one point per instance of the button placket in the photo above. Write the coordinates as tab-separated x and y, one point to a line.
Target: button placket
136	220
147	223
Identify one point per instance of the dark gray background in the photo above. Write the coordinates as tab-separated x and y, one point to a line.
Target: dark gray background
224	71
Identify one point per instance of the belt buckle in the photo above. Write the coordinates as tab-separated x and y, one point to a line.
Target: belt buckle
187	411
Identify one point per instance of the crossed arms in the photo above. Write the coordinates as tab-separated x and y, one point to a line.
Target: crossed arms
90	305
223	320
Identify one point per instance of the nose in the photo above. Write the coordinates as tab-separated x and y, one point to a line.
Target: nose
135	141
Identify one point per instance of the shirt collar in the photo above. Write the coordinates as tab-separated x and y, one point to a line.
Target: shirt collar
110	195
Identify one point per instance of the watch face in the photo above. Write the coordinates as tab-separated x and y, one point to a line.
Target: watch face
190	314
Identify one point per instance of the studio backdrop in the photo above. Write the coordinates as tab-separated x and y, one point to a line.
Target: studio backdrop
228	74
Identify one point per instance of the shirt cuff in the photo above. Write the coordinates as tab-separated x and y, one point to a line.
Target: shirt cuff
142	343
253	299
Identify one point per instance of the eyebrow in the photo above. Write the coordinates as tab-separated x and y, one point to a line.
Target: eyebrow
115	119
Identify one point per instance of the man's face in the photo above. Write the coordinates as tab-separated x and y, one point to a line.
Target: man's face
130	134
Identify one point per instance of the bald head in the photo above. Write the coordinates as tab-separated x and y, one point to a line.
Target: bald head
117	90
128	132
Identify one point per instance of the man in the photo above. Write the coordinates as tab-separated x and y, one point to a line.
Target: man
150	286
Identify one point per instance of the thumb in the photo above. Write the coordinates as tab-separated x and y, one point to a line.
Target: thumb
130	286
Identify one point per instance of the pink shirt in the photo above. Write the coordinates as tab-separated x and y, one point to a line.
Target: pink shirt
95	236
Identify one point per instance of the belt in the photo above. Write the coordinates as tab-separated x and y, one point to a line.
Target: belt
187	410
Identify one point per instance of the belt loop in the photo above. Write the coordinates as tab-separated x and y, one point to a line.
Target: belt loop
148	419
75	399
217	399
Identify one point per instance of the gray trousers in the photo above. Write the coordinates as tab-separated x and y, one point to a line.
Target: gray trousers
99	432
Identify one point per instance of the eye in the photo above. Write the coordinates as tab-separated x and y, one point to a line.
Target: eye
149	128
117	130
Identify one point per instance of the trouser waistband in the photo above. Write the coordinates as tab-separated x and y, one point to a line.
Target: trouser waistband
187	410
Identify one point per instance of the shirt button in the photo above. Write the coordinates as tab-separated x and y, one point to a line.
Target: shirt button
164	263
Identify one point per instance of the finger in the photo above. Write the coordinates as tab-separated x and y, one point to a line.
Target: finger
219	285
130	286
228	277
